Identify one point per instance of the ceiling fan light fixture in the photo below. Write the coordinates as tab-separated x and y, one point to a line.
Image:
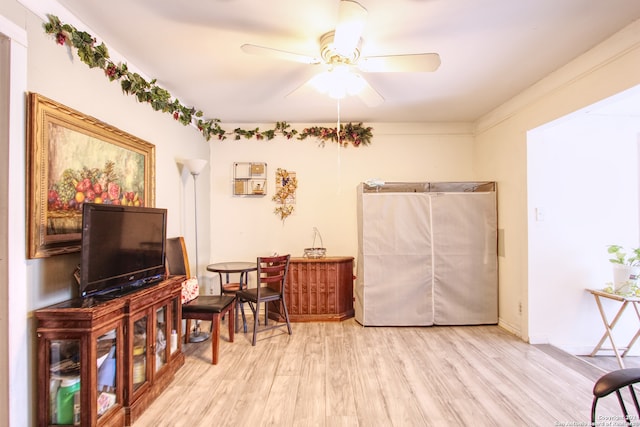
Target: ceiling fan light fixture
339	82
330	54
320	82
337	93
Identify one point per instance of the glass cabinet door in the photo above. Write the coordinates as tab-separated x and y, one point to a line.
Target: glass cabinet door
161	337
139	352
106	351
64	381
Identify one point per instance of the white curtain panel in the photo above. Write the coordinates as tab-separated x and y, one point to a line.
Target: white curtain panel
396	256
465	258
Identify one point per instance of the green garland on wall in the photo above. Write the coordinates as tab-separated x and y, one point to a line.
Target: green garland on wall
97	56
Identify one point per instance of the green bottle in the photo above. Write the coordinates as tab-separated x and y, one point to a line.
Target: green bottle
65	399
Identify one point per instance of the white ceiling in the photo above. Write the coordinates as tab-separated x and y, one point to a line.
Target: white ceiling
490	50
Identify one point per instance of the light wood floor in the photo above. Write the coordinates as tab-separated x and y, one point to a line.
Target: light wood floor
343	374
610	363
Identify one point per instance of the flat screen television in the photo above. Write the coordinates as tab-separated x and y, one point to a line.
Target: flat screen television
122	248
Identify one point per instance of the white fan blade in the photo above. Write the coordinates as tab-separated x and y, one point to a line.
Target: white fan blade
419	62
369	95
279	54
351	19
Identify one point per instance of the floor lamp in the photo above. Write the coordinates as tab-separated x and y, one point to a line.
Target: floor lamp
195	166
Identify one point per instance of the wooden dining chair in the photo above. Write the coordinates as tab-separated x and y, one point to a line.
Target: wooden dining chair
202	307
271	279
230	287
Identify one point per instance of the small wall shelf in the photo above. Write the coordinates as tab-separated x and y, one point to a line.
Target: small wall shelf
249	179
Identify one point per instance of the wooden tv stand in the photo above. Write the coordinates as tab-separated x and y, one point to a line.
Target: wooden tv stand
119	349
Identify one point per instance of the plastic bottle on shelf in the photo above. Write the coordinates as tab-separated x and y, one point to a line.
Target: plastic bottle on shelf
174	341
54	387
65	400
139	369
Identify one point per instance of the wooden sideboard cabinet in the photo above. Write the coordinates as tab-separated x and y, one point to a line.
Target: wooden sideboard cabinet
319	289
102	362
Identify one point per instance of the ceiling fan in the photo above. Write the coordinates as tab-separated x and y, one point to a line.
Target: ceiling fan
340	52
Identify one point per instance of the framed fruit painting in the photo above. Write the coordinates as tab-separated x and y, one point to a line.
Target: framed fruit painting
75	159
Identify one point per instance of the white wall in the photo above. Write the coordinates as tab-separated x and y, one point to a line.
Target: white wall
53	71
245	227
501	152
15	336
583	177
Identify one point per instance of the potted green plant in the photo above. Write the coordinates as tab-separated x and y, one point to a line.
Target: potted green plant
626	268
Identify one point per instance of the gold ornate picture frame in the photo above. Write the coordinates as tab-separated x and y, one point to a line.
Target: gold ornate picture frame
73	159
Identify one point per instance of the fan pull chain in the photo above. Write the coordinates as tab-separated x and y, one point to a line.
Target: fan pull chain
339	151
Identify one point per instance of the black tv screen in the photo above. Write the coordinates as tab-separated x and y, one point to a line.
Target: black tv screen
122	247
